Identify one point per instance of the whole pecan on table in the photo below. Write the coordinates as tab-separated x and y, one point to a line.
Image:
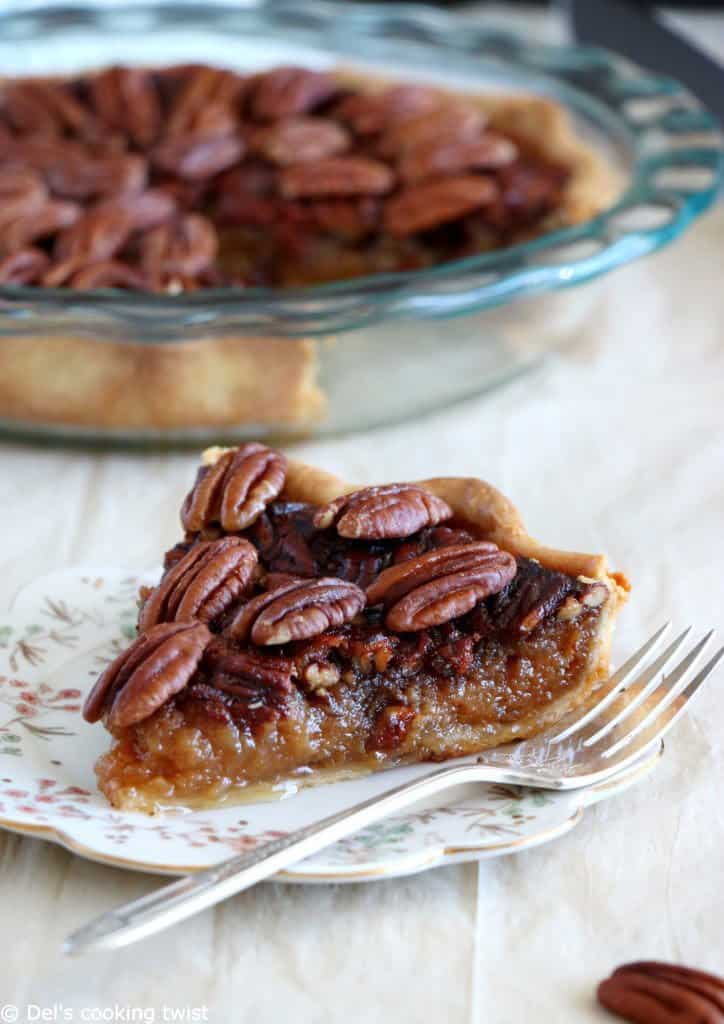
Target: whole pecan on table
648	992
288	91
297	611
336	176
440	585
236	489
158	665
388	510
422	207
203	584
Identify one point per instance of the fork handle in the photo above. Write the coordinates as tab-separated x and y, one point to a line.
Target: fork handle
189	895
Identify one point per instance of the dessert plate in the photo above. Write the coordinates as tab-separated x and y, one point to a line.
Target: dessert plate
61	631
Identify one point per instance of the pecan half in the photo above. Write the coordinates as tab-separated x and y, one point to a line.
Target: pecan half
422	207
440	158
440	585
53	216
204	102
97	235
38	107
298	140
126	99
286	91
83	177
297	611
203	584
390	510
23	267
186	245
337	176
195	156
236	489
451	122
655	993
368	113
157	665
22	193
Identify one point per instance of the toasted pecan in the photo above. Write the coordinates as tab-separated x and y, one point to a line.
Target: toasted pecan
159	664
236	489
204	583
440	585
297	611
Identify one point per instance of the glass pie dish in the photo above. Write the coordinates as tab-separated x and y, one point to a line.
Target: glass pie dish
224	364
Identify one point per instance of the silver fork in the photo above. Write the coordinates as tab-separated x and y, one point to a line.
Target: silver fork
630	714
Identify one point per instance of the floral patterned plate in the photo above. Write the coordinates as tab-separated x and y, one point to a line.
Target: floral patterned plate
65	626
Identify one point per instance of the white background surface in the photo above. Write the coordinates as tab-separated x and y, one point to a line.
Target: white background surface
616	446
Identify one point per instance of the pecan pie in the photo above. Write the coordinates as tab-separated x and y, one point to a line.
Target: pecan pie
185	178
303	628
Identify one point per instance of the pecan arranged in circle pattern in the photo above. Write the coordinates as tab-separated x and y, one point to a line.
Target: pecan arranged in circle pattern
336	176
658	993
298	611
437	159
441	585
389	510
197	157
158	665
126	100
186	245
203	584
198	105
297	140
370	113
236	489
293	177
451	121
422	207
287	91
23	267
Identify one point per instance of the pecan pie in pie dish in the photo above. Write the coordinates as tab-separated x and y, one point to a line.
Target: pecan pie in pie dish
180	179
303	628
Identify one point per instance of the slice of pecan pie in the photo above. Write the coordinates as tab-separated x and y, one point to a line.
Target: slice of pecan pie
302	629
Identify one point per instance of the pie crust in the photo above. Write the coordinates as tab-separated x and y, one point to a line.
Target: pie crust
177	754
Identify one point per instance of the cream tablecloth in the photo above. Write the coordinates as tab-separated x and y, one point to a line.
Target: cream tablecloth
617	446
